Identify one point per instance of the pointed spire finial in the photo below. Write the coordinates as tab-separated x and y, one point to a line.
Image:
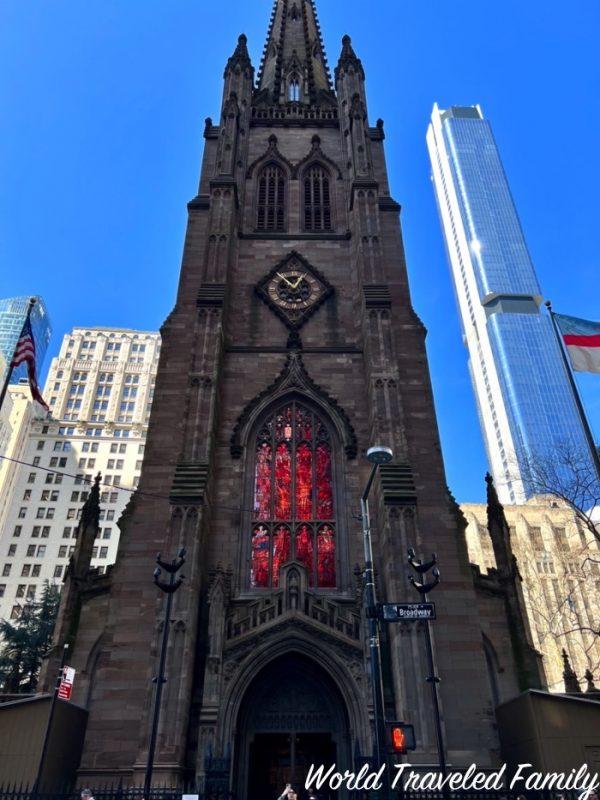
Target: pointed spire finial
494	506
240	57
569	677
590	681
347	59
91	508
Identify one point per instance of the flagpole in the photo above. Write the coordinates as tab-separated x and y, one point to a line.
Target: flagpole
12	358
584	421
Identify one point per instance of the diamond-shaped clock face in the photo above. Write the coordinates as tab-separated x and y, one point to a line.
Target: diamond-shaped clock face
294	290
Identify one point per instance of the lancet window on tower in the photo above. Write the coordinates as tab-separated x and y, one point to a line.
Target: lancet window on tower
317	201
293	515
270	214
294	89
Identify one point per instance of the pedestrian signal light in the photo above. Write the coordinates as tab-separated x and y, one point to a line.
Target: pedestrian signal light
398	739
401	737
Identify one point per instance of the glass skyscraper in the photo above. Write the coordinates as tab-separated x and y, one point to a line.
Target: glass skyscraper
13	311
526	405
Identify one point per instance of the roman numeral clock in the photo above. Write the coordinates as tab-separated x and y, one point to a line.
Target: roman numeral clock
294	290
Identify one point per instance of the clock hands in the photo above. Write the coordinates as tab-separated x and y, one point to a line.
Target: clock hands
294	285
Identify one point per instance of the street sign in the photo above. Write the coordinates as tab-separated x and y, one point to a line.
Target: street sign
65	688
406	612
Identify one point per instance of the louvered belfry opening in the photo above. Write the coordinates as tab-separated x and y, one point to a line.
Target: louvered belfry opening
317	201
271	199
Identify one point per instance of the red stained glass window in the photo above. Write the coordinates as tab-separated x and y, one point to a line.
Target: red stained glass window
305	548
304	481
283	482
293	484
260	556
326	556
281	550
323	481
262	490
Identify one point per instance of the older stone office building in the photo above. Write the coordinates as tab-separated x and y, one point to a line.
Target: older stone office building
99	389
293	346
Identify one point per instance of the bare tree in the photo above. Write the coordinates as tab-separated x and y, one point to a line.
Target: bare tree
570	476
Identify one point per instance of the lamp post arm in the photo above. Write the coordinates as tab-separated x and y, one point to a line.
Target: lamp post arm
365	494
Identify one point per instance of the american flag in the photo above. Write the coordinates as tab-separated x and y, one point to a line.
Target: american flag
25	351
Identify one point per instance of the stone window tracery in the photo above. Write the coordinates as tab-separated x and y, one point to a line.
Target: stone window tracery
270	214
293	498
317	200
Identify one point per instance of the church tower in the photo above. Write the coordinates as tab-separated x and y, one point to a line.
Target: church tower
292	347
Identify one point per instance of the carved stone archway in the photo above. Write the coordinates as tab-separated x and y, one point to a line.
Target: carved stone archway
292	714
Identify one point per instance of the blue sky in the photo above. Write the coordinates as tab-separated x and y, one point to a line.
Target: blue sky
103	105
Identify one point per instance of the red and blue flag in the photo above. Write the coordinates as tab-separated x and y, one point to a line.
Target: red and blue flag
25	352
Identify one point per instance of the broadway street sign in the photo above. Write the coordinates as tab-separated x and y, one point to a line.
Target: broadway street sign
406	612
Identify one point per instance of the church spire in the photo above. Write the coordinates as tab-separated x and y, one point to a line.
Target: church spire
294	66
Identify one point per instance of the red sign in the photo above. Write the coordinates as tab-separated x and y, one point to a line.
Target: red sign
65	687
64	690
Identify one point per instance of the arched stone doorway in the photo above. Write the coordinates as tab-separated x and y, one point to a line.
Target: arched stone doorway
292	716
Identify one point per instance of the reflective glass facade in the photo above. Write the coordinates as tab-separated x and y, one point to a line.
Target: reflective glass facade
525	401
13	311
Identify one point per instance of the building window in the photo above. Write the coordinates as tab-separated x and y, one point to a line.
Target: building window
317	200
17	531
2	589
62	551
31	478
6	570
22	512
25	570
58	571
536	538
31	551
293	498
271	199
294	89
12	550
35	572
21	590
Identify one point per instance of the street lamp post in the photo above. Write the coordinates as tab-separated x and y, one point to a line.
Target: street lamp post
376	455
169	588
422	587
48	731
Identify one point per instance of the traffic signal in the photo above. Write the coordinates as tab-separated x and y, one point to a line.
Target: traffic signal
401	737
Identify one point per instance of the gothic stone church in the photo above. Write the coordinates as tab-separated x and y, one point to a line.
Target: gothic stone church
293	346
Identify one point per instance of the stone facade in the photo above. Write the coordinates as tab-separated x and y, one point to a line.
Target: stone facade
290	661
100	390
559	561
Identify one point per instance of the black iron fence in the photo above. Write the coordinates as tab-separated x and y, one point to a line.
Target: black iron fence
175	793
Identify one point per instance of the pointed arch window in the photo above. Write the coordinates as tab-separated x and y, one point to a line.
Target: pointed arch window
294	89
293	502
270	215
317	200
